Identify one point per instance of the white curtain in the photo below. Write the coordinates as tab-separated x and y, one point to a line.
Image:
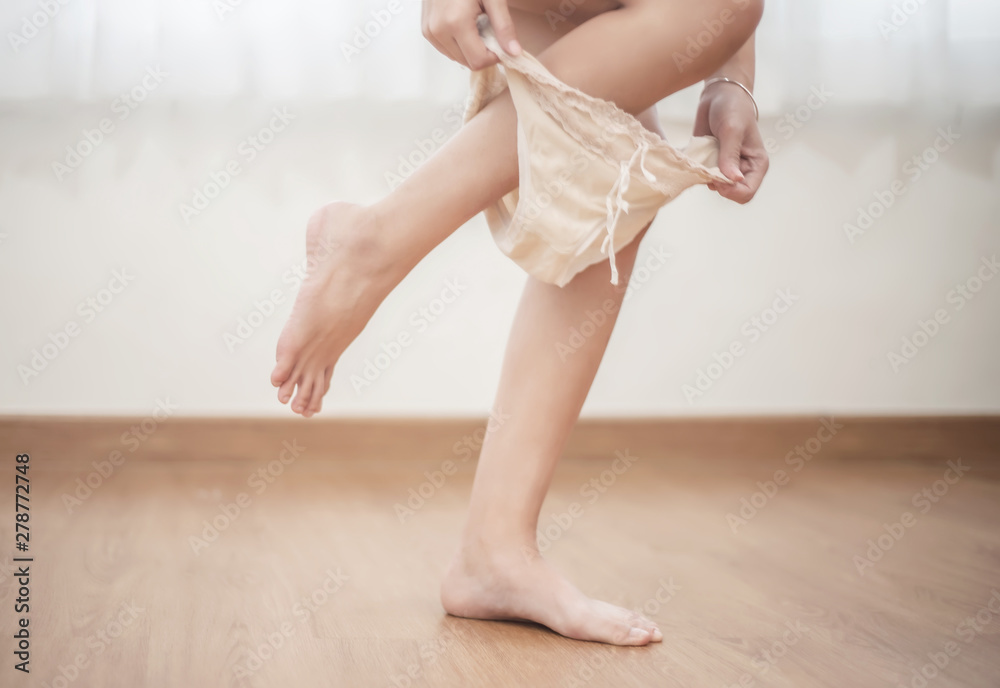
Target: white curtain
902	53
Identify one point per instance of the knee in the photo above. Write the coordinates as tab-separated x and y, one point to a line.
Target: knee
722	21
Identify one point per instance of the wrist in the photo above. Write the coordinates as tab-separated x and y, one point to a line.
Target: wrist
717	86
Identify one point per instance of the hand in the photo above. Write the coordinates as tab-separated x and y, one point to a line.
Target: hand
450	26
727	113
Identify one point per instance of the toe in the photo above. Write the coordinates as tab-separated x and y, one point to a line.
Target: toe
285	391
640	621
637	636
316	402
282	370
304	394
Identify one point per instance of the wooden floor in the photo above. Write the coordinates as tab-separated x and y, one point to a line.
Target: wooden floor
317	582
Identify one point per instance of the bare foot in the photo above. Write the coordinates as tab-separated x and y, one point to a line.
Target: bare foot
513	586
348	277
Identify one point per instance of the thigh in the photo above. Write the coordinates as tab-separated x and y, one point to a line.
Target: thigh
561	12
538	30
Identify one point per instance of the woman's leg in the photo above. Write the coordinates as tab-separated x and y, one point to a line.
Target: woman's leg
498	572
358	254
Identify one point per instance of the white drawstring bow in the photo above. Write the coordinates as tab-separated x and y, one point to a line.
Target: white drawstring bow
620	205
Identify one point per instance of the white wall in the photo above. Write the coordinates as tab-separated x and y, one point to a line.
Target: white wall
162	336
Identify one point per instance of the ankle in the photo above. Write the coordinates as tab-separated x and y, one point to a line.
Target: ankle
497	550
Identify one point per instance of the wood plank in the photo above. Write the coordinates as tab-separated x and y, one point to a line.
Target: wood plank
204	618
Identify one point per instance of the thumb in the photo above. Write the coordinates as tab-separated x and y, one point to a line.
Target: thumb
730	146
503	25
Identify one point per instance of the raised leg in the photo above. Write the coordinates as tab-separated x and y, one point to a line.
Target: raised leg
358	254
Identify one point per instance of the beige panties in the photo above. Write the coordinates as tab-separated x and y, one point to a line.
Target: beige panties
590	175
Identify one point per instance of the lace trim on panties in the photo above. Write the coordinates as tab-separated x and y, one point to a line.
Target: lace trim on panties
607	116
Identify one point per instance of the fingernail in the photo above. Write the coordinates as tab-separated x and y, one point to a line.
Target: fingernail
514	48
657	635
638	634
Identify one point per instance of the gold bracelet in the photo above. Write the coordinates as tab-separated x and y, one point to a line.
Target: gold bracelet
715	80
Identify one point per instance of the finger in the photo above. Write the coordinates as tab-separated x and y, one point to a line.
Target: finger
476	55
738	193
730	145
503	25
754	174
437	44
449	48
742	192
